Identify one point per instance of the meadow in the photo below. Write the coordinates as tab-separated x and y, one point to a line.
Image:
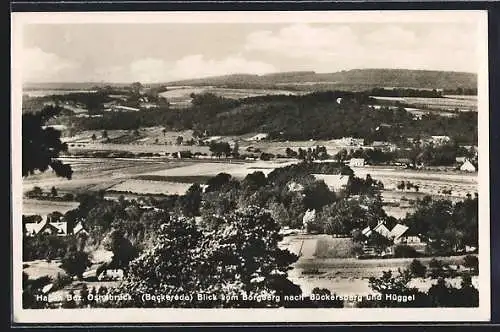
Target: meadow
449	103
336	269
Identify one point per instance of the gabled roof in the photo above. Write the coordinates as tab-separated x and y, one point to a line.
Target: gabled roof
467	165
61	227
79	228
35	227
366	231
398	231
382	230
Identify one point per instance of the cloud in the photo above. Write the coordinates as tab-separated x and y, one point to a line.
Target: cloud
392	36
197	66
148	70
339	47
151	70
302	40
38	65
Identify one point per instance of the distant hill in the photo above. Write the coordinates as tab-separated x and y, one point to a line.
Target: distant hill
356	79
353	80
71	85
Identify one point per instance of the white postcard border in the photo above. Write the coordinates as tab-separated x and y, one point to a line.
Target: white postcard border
129	315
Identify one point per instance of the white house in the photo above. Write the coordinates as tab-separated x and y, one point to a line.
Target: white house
352	141
467	166
440	140
335	182
309	216
357	162
397	233
258	137
382	230
59	228
295	187
79	229
111	274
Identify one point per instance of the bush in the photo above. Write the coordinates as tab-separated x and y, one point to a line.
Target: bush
418	269
471	262
61	281
68	197
75	262
436	268
405	251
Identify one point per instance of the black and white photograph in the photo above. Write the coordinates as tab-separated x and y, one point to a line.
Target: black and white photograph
326	166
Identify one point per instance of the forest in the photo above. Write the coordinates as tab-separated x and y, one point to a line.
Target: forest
321	115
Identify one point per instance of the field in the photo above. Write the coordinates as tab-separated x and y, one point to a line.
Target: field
180	96
327	262
236	168
152	187
162	175
43	93
328	247
449	103
429	182
34	206
40	268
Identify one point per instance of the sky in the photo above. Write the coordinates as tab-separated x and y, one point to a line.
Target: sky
163	52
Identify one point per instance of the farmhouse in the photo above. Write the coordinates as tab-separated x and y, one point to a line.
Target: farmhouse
351	141
79	229
384	146
258	137
295	187
59	228
111	274
46	227
357	162
439	140
467	166
336	182
399	235
403	162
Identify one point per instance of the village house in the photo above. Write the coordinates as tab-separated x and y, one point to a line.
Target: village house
58	228
258	137
384	146
111	274
49	227
351	141
295	187
439	140
335	182
398	235
467	166
357	162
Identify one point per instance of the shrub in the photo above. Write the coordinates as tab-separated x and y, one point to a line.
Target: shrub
471	262
61	281
405	251
418	269
75	262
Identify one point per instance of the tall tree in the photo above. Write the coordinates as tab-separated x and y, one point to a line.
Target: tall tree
241	258
42	145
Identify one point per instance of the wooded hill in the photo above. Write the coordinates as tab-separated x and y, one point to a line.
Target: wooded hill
351	80
356	79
